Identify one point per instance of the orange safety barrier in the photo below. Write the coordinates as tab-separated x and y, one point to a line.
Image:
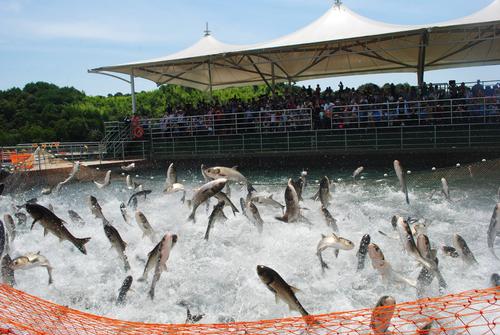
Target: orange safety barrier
24	161
472	312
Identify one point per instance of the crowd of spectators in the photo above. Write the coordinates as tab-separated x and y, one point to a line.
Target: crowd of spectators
305	108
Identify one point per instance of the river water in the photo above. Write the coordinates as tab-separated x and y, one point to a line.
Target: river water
218	277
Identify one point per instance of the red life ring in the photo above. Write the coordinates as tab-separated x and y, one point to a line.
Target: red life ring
138	132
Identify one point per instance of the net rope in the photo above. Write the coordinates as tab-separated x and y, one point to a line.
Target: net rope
468	313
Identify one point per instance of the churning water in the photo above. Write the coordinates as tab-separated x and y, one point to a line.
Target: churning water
218	277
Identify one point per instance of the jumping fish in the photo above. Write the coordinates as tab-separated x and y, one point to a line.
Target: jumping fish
165	246
51	223
7	271
230	174
74	171
217	214
382	315
204	193
357	172
445	189
280	288
107	180
122	295
144	225
462	247
129	167
117	243
252	213
332	241
493	228
10	226
329	219
362	251
75	217
126	217
402	179
32	260
383	267
292	212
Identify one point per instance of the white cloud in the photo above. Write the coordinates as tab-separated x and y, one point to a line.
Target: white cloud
85	30
12	5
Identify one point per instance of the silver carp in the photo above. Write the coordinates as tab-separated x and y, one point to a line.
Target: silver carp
164	248
216	215
329	219
204	193
292	211
125	216
382	315
117	243
357	172
463	249
324	192
7	271
445	189
51	223
402	179
106	182
145	226
335	242
362	251
493	229
267	200
33	260
251	212
129	167
280	288
122	295
384	268
221	196
96	209
72	175
75	217
231	174
10	226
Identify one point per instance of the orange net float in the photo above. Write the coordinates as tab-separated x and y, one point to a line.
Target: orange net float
468	313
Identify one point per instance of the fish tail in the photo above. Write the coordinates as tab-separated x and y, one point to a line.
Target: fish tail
192	217
250	188
80	244
284	218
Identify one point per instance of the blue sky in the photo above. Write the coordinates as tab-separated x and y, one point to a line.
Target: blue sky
57	41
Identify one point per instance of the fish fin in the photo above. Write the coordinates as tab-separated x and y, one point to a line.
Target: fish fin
80	244
250	188
283	219
295	290
33	224
192	217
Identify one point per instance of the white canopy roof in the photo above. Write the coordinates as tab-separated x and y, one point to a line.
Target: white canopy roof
338	43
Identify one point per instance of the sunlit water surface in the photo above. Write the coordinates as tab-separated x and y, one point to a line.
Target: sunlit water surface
218	277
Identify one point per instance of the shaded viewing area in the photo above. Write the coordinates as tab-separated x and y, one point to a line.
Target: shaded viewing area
341	42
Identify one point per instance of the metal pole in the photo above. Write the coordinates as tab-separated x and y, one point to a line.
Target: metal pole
132	91
273	80
210	79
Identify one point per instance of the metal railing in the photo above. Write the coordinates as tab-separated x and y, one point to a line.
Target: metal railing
402	125
395	138
40	156
264	121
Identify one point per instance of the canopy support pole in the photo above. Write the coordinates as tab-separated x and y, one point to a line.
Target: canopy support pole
210	80
132	91
273	80
421	58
